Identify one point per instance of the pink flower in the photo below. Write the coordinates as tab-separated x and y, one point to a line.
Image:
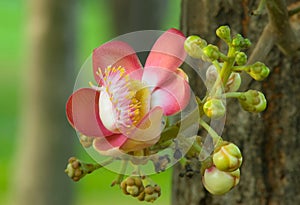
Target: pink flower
125	113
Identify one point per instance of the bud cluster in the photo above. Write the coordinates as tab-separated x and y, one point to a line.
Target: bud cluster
77	169
141	188
225	173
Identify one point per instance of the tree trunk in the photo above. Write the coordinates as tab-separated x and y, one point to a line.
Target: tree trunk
44	144
269	141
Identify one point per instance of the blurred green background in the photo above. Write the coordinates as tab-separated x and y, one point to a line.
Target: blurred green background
95	26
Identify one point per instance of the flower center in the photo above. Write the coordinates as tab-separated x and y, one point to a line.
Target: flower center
123	101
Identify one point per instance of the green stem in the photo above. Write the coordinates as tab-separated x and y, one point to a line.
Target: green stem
227	66
121	175
232	95
216	138
245	68
225	73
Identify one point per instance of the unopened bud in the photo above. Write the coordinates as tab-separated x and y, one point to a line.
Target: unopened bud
239	42
212	52
233	83
152	193
132	185
223	32
241	58
227	157
218	182
258	71
253	101
77	169
193	46
214	108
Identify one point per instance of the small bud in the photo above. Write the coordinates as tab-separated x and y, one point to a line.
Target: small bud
233	83
132	185
239	42
227	157
214	108
241	58
77	169
218	182
193	46
253	101
212	52
258	71
223	32
152	193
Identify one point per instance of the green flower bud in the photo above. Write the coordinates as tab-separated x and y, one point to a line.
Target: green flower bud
258	71
233	83
253	101
241	58
214	108
212	52
218	182
223	32
193	46
239	42
227	157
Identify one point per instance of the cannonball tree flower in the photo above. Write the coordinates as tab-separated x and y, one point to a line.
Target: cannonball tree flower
126	110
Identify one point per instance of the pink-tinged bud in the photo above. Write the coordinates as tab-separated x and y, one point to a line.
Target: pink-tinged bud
218	182
227	157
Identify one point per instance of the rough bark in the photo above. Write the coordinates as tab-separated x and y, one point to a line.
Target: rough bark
269	141
44	146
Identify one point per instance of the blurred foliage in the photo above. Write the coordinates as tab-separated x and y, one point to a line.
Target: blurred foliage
94	28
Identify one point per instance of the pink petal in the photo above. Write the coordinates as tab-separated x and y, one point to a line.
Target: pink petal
115	53
168	51
109	145
147	131
83	113
173	95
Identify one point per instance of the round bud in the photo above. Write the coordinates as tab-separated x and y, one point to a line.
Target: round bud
227	157
214	108
241	58
193	46
253	101
212	52
223	32
233	83
258	71
218	182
